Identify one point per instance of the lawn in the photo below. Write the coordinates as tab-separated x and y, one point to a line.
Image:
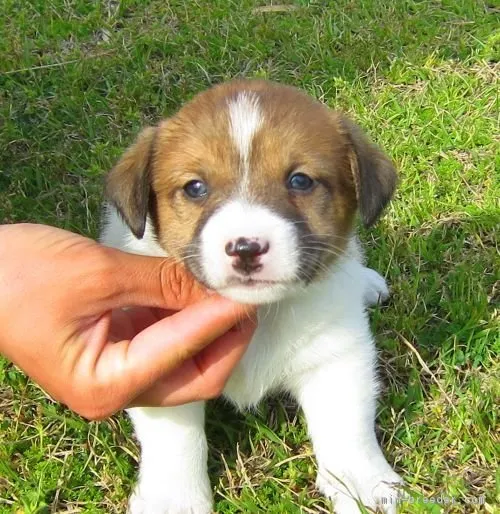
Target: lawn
77	81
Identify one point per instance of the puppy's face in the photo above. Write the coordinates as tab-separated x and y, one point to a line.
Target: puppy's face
254	186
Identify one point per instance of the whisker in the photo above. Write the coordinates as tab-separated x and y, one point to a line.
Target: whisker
323	250
318	264
332	251
329	235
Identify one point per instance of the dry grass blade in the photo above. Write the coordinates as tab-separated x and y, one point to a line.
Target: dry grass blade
274	8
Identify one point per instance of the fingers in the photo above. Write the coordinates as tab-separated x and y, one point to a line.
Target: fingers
128	368
150	281
204	376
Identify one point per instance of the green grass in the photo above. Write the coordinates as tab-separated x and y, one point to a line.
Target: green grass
77	81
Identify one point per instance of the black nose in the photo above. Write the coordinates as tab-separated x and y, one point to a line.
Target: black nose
246	249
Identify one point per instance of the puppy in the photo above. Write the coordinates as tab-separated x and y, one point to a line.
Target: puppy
255	187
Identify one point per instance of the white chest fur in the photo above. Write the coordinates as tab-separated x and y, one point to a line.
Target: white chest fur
299	333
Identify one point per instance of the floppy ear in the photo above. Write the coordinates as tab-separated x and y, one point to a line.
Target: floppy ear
128	184
374	174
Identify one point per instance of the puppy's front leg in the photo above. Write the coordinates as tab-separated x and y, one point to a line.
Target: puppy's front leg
339	401
173	475
376	290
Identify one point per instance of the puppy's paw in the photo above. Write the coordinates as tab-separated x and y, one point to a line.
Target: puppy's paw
164	503
377	490
376	290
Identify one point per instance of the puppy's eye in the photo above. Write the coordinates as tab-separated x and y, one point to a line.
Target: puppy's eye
196	189
300	182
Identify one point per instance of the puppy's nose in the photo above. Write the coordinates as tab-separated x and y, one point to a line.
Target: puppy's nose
246	253
246	248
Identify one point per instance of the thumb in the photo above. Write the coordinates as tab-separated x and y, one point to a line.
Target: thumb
149	282
131	367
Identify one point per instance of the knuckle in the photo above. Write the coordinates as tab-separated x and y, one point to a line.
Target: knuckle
92	411
94	414
177	283
173	280
91	405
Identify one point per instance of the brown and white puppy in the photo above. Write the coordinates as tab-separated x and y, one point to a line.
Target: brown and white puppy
255	186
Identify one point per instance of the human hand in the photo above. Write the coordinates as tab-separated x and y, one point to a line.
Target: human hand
63	323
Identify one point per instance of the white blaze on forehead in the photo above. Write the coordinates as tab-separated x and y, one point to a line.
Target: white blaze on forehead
245	119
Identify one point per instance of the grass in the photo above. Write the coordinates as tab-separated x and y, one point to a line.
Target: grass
77	81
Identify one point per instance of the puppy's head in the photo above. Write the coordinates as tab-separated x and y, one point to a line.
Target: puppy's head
254	186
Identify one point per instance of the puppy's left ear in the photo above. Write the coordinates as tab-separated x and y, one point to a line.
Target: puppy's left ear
373	173
128	184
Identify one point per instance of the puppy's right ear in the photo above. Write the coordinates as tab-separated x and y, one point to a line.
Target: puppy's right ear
128	184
